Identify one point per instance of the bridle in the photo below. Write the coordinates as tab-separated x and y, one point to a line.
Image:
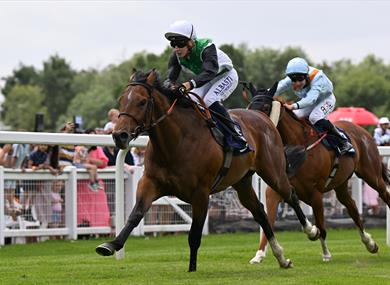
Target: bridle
142	127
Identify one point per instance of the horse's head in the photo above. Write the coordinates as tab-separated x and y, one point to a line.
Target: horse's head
136	106
262	98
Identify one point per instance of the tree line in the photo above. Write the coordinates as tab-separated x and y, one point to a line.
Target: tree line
60	92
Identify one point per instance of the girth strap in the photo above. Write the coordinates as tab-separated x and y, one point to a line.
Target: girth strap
227	161
333	171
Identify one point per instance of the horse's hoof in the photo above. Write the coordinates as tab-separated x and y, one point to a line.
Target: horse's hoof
105	249
258	258
326	258
316	236
287	264
374	249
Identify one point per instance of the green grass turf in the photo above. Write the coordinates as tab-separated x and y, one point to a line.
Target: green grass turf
222	259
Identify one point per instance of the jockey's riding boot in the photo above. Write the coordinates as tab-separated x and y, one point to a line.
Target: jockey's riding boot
217	107
343	144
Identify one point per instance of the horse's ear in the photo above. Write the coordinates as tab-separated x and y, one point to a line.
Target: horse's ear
133	72
152	77
245	95
252	89
273	89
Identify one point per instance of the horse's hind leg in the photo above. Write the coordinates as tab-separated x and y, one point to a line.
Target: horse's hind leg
376	177
199	213
345	198
249	200
147	192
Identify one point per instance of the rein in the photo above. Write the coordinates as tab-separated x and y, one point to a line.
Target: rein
141	127
207	114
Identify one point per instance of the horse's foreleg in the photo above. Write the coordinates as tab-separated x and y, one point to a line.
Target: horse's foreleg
345	198
249	200
318	210
147	192
311	230
199	213
280	183
272	201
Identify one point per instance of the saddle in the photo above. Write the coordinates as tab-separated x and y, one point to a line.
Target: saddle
226	138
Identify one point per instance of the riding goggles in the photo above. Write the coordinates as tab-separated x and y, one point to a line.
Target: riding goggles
180	43
297	77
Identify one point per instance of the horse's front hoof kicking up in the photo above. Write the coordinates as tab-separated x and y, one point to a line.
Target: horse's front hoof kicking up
105	249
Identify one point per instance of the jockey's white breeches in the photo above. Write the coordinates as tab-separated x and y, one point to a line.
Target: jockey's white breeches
318	111
218	89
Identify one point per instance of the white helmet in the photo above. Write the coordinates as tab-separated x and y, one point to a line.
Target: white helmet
297	65
384	120
181	29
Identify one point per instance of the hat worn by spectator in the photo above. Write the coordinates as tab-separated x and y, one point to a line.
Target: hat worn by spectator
384	120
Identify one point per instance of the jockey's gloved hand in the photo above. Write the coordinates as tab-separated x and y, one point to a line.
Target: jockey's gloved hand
168	84
182	90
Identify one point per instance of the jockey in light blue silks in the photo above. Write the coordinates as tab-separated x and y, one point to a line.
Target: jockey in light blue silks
317	100
213	76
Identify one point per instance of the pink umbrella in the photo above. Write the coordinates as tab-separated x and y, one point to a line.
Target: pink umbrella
356	115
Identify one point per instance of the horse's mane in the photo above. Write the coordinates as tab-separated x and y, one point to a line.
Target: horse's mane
141	77
291	113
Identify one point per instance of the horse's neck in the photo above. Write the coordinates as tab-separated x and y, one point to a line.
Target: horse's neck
167	135
292	130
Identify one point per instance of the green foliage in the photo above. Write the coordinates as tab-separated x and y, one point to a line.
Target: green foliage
23	101
24	75
57	80
364	85
92	105
91	93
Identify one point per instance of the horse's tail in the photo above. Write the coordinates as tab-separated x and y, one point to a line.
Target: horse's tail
295	157
385	174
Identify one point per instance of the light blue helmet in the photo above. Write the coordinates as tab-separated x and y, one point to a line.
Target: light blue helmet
297	65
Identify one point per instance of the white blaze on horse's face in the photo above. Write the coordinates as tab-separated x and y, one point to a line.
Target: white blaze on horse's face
134	105
129	95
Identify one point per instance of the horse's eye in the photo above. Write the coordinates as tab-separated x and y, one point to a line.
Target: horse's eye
142	103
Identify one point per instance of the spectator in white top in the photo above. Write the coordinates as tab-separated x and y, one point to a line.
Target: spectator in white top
113	117
382	133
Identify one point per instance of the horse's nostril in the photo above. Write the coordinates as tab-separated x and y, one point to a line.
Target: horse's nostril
123	136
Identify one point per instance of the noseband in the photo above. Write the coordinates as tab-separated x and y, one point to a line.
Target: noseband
141	127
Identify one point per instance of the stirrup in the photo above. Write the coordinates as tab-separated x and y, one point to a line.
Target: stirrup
345	147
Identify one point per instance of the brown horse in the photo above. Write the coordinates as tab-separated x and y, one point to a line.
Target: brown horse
311	179
183	159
